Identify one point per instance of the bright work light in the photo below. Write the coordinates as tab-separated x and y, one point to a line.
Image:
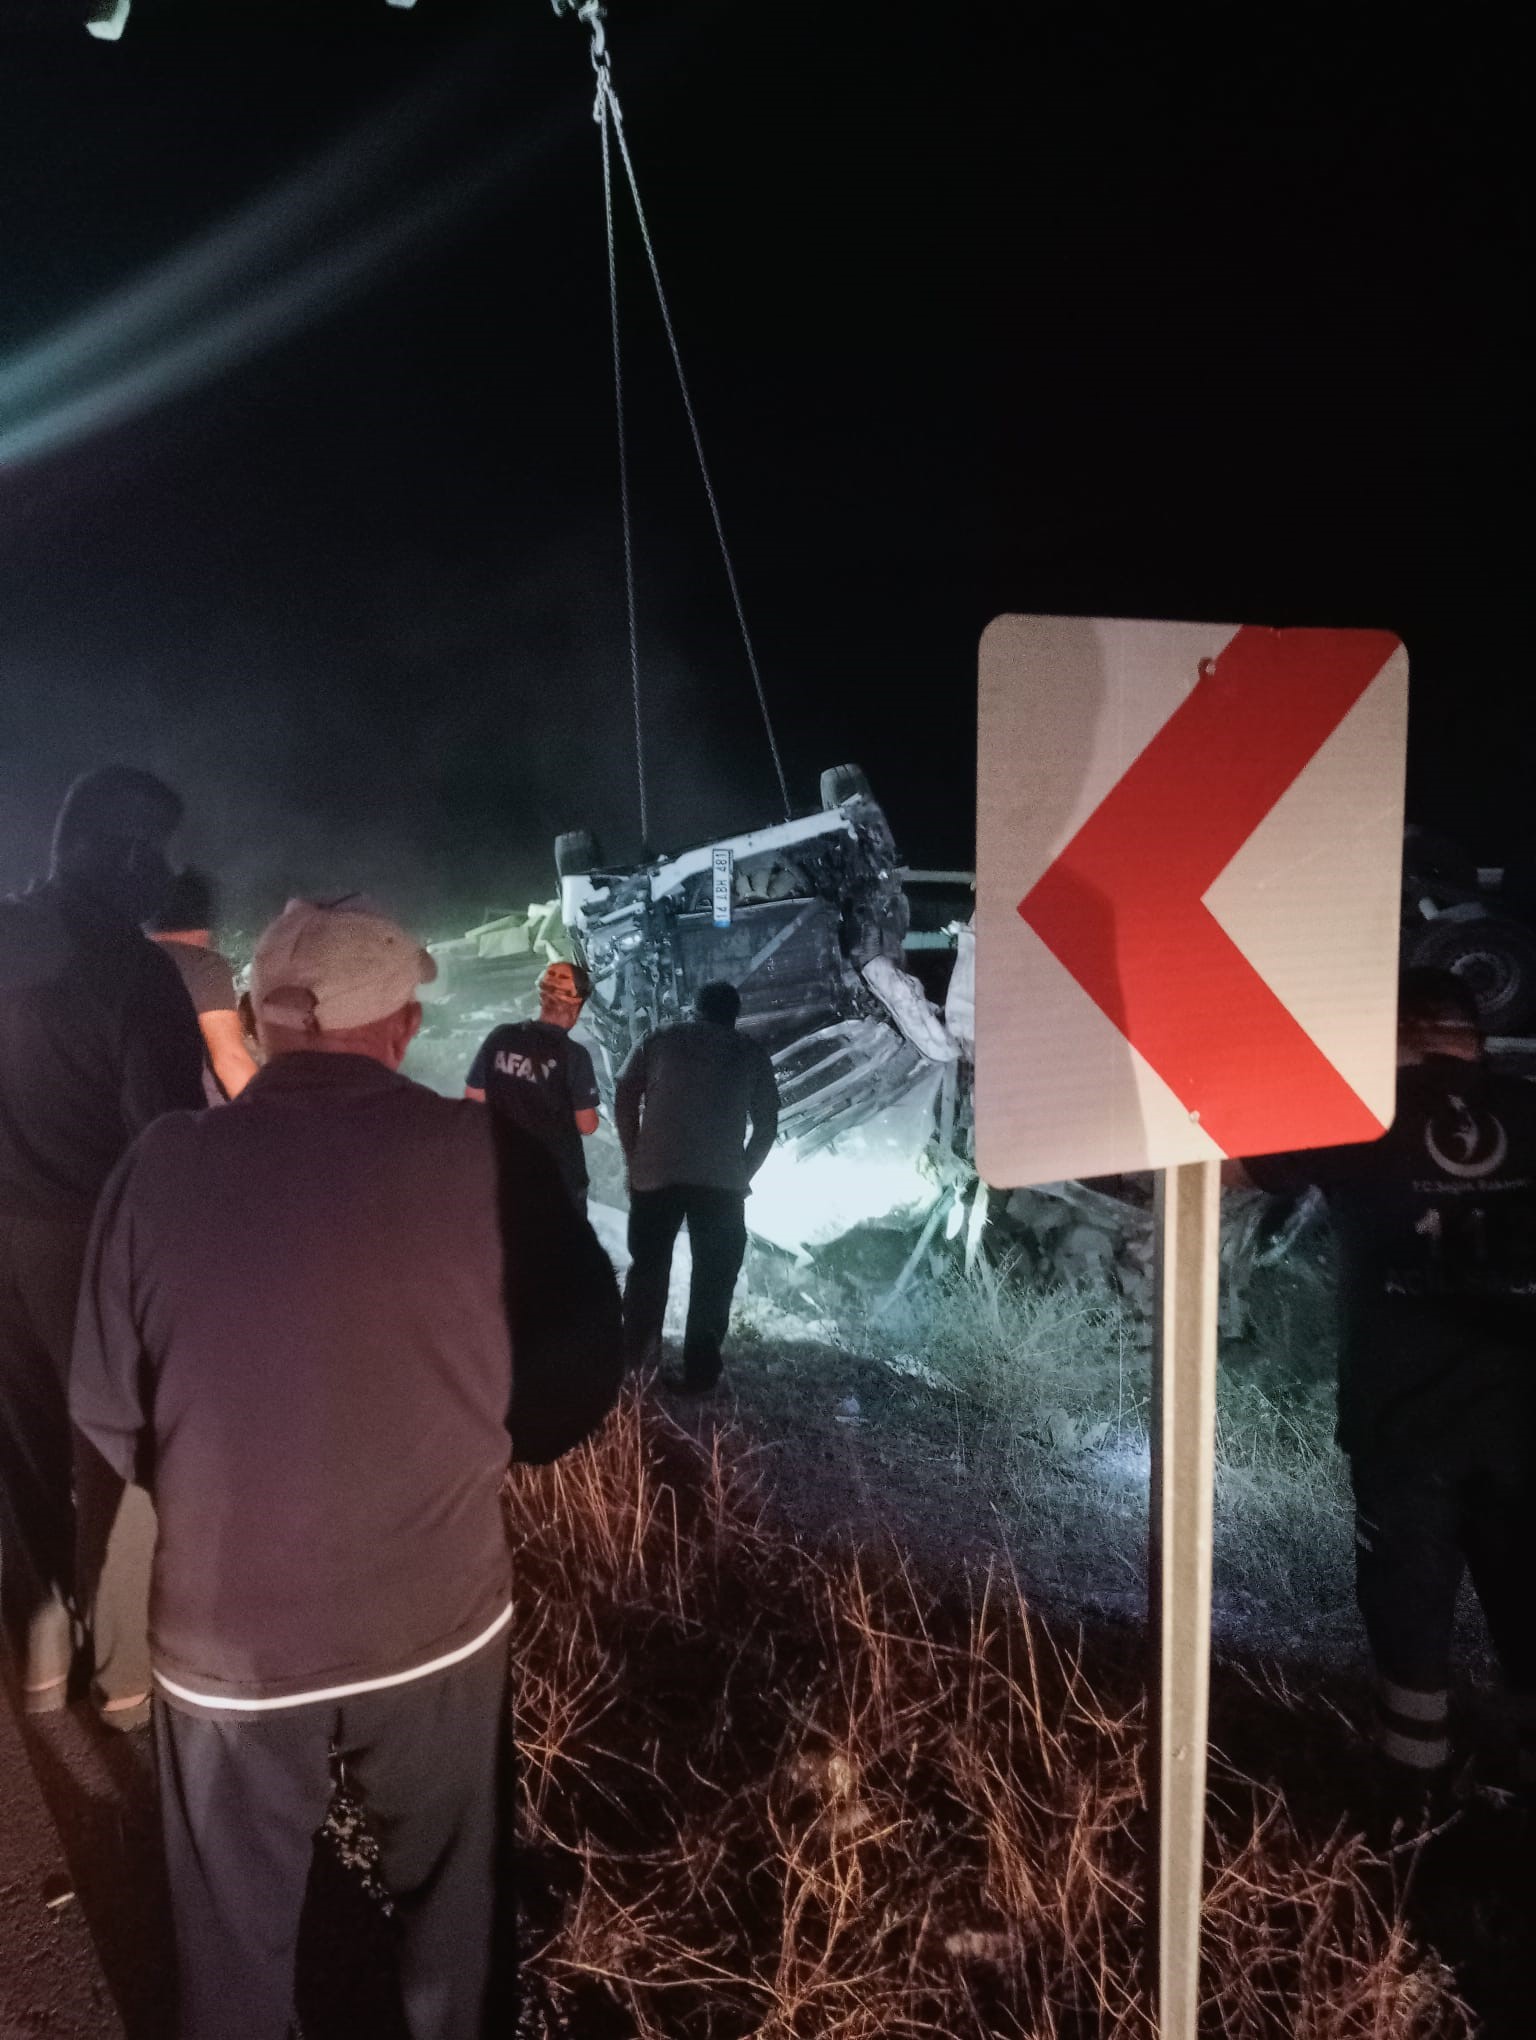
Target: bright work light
106	18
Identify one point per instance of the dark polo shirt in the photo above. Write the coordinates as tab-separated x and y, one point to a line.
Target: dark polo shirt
309	1322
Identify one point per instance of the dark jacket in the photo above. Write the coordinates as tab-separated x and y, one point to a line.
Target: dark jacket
295	1329
97	1038
682	1104
1436	1231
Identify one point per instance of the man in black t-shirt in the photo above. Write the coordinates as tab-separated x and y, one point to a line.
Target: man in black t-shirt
531	1073
1436	1230
184	930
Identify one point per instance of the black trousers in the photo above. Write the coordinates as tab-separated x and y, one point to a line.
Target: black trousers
241	1799
75	1544
717	1234
40	1264
1418	1529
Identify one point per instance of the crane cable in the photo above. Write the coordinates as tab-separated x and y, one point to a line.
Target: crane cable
608	114
629	544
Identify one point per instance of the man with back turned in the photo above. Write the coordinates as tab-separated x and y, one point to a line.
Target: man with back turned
97	1038
682	1106
319	1322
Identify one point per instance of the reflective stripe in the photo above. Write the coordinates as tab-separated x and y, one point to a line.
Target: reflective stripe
225	1703
1418	1753
1414	1706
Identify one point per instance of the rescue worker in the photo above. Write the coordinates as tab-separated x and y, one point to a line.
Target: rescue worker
682	1107
97	1038
184	930
533	1075
313	1319
1436	1229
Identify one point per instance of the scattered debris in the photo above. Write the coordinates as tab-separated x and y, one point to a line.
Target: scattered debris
916	1370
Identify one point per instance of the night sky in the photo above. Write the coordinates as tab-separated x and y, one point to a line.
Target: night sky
985	306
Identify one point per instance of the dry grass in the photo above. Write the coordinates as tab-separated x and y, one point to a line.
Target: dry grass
797	1796
1047	1393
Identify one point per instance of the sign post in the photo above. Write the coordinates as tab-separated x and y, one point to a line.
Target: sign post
1179	1573
1189	844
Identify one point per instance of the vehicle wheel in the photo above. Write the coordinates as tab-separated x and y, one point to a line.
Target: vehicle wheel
1495	957
843	782
576	853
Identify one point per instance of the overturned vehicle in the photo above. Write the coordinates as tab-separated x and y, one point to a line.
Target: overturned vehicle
809	919
824	930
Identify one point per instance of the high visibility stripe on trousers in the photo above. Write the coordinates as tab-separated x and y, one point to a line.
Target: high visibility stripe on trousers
1412	1728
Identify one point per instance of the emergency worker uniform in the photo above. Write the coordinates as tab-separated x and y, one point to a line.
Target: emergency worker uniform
97	1039
682	1106
1436	1231
534	1076
319	1323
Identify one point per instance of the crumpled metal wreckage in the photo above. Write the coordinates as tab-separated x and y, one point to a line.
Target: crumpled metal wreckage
810	919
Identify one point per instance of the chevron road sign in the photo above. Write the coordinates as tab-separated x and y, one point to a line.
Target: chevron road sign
1187	877
1188	859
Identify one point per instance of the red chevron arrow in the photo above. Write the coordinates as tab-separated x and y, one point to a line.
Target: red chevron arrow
1122	906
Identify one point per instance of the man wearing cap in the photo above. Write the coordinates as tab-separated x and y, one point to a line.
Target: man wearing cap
312	1320
97	1037
536	1077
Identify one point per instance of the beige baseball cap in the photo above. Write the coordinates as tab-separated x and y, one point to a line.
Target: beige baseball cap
332	966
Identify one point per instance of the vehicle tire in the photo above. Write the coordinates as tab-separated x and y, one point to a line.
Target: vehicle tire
576	853
843	782
1495	956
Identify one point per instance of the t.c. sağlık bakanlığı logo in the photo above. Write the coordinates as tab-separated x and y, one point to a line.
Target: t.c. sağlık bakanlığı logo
1464	1140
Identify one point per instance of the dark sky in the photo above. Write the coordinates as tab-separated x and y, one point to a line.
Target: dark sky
985	306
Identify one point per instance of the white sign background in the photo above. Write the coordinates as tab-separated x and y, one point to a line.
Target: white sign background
1311	898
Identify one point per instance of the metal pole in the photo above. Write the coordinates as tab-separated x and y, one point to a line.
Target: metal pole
1183	1449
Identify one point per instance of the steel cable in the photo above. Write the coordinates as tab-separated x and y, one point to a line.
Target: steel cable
607	98
600	112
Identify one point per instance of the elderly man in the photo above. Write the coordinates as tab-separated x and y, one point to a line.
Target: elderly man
97	1037
311	1320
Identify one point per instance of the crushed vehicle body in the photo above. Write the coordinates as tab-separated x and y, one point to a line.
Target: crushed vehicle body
813	920
808	919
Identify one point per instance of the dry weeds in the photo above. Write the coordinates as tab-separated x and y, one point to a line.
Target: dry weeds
801	1797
